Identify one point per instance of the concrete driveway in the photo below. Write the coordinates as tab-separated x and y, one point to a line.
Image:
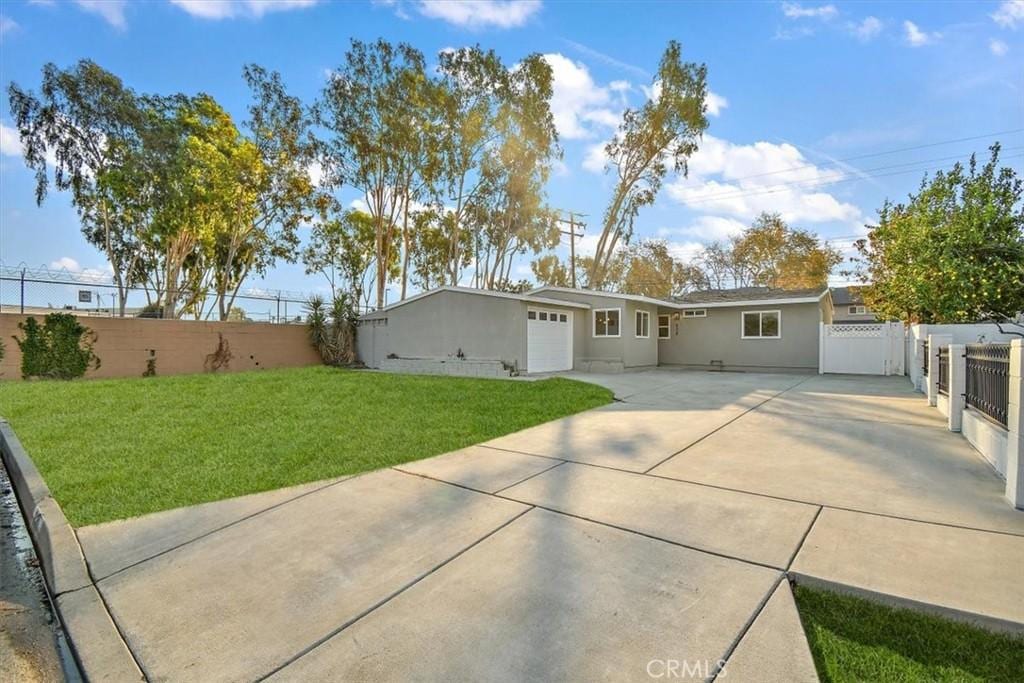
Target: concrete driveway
651	538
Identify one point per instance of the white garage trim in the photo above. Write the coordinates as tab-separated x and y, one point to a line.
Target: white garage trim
549	335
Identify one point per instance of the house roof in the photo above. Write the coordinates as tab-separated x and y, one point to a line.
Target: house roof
746	296
598	292
477	292
841	296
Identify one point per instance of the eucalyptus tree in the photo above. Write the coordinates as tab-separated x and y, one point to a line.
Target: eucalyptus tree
370	106
486	111
660	135
342	249
85	123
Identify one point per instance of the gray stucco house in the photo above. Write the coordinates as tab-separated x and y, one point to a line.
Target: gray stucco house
848	306
456	330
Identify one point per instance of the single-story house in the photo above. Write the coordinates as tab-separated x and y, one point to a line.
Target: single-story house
848	306
458	330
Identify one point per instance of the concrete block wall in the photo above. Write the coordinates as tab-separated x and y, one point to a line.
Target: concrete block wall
450	366
179	347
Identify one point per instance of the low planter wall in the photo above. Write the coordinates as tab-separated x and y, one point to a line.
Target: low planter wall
178	347
99	650
447	366
989	439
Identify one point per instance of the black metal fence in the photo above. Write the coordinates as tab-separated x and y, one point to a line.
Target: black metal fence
943	379
988	380
924	363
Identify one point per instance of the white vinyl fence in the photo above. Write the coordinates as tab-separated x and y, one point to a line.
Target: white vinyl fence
861	349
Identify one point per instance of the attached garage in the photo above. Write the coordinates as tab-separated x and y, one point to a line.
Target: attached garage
548	339
472	332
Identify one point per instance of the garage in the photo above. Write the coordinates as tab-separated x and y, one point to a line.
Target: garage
548	340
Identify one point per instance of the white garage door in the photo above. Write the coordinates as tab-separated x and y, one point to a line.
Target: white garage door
548	340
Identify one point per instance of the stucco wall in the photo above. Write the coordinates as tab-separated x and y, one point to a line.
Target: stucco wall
437	326
698	341
626	348
180	346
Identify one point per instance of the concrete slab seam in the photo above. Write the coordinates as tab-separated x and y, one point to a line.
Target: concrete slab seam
803	539
222	528
723	426
720	665
537	474
305	651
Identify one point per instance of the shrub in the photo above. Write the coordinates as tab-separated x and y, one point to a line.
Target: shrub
60	348
333	332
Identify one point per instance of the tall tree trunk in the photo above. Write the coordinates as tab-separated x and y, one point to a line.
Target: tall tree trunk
405	245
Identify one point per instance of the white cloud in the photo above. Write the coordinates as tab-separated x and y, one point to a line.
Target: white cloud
794	10
65	263
609	60
230	9
868	29
685	251
481	13
741	181
576	99
998	47
10	145
707	228
715	103
1009	14
916	37
112	11
595	158
7	25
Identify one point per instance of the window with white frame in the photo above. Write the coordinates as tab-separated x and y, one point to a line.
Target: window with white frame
606	322
761	324
858	310
695	313
643	324
663	326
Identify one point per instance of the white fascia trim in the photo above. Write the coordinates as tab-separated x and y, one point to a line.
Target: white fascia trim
752	302
479	292
607	295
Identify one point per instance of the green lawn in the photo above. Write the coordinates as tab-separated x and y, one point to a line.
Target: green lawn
111	449
856	640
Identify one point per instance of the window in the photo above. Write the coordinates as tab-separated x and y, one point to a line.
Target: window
562	318
531	315
695	313
543	315
643	324
606	322
663	330
858	310
762	325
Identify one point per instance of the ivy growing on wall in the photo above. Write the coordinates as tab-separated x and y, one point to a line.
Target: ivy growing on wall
60	348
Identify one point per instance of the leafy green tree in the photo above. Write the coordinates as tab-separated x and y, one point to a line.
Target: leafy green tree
429	248
549	270
772	254
367	106
89	121
495	149
954	253
660	135
343	251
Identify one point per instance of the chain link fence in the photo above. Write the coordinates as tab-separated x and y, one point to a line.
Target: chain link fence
41	291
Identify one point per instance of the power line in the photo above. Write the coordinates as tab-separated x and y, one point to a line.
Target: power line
886	153
807	185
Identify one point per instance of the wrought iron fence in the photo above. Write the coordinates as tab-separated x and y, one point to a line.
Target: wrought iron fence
924	363
943	379
988	380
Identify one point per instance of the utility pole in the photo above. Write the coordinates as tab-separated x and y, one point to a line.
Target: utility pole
571	232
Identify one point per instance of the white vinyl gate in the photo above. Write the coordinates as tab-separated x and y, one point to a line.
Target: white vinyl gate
861	349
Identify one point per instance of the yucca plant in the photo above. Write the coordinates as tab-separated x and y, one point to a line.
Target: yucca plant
332	332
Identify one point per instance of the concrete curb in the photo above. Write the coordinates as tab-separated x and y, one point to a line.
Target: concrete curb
96	644
985	621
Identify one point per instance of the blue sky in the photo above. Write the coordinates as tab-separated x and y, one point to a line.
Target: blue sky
798	88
